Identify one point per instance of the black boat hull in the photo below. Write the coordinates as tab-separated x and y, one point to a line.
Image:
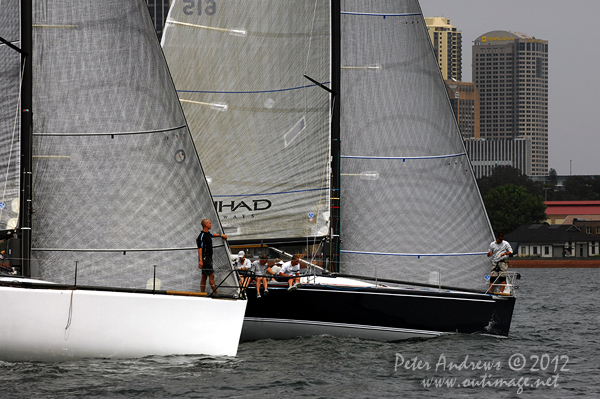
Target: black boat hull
385	314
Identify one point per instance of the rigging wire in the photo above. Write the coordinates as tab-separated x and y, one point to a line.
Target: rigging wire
312	29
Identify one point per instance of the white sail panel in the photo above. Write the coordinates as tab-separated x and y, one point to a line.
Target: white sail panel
10	115
409	202
118	185
261	128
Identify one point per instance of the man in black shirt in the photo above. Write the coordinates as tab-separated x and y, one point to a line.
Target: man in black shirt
205	253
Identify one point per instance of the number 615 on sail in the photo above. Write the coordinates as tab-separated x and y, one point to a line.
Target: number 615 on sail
190	5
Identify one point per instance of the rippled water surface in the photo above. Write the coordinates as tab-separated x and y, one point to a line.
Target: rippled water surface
553	352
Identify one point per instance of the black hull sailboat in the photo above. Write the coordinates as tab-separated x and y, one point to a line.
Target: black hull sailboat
385	314
328	123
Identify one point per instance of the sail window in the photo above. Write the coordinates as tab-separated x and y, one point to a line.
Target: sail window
294	132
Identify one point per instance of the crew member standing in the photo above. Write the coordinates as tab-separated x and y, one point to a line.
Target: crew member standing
499	250
205	253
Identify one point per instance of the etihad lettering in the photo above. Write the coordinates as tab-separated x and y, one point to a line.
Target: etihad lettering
238	206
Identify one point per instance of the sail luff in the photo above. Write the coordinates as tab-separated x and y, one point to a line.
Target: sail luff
10	117
335	188
26	136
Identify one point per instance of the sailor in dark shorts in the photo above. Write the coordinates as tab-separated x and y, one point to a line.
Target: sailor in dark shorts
205	253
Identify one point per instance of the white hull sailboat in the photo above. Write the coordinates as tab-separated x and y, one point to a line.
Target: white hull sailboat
333	127
53	324
103	193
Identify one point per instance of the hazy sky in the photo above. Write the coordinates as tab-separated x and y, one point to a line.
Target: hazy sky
573	65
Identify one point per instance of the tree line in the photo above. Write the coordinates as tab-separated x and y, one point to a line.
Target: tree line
512	198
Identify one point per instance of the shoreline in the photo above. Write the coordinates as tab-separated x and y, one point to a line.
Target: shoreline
554	263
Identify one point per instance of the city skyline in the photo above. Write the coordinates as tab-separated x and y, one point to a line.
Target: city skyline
573	137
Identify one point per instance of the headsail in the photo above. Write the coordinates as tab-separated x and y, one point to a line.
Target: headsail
261	127
117	182
407	189
10	115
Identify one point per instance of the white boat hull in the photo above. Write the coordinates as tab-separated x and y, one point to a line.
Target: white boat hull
62	324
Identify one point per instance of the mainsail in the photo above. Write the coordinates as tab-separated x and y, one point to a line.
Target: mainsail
119	192
409	205
10	115
261	127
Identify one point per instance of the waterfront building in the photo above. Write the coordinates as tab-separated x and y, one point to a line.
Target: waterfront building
487	154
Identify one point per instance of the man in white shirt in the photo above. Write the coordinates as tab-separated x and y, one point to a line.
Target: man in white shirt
243	266
291	270
259	268
499	250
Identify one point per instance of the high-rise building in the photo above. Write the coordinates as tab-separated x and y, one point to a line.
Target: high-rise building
447	44
464	98
159	9
511	72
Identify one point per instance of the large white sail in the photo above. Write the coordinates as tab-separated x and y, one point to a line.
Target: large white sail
119	192
10	115
261	128
410	207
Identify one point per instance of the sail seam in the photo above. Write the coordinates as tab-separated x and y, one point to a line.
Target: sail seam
242	32
117	250
420	157
113	133
248	92
375	14
274	193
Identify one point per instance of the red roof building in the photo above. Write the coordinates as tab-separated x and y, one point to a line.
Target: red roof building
563	212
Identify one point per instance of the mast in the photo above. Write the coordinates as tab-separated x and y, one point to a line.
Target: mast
335	134
26	137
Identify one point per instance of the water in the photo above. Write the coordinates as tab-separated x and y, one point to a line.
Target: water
554	331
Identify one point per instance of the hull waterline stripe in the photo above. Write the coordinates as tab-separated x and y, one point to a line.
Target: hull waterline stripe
343	325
